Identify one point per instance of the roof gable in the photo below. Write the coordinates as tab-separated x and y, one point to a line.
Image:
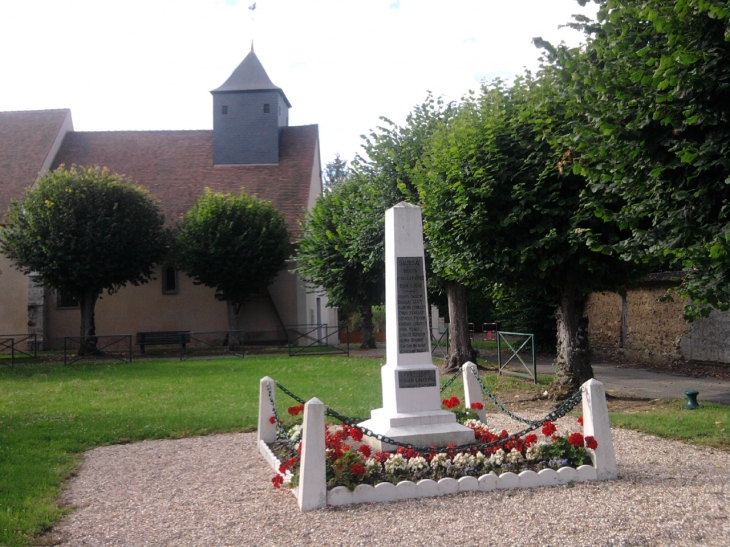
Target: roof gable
26	140
249	76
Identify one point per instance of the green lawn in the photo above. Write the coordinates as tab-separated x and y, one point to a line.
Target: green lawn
49	414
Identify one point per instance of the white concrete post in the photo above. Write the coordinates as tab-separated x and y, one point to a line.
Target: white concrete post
313	471
472	389
267	430
596	424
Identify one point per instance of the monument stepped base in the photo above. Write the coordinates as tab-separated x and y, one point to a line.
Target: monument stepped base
424	428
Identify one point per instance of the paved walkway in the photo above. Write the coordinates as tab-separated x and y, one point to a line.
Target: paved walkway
623	381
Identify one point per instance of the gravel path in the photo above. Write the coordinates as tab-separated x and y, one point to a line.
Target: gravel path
216	490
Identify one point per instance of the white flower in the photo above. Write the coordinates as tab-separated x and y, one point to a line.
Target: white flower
533	452
440	460
475	424
464	459
396	463
417	463
480	459
497	458
295	433
514	456
371	464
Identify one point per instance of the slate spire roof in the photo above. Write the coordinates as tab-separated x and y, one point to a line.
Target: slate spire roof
249	76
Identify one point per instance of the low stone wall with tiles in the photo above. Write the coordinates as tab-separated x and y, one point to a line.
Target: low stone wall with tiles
639	328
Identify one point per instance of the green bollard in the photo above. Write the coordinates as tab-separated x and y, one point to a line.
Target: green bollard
691	400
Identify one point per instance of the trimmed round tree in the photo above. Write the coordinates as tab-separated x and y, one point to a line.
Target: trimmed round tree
235	244
85	230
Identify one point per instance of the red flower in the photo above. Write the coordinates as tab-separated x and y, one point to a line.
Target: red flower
530	439
580	420
454	401
591	442
357	469
299	447
356	434
272	420
283	468
445	402
477	406
382	457
278	480
365	450
291	462
576	439
548	428
294	410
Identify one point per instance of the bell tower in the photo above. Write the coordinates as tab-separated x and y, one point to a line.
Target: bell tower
248	112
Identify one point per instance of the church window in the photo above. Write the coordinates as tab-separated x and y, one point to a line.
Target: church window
65	300
267	108
224	110
169	280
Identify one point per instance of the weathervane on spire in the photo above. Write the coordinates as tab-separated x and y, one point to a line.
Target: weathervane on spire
252	7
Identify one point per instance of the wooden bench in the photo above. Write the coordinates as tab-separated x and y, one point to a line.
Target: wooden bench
163	338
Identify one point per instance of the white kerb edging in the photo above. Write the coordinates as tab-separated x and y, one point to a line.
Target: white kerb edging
313	470
312	490
472	390
597	424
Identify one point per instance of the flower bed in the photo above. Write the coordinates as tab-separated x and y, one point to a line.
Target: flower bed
355	473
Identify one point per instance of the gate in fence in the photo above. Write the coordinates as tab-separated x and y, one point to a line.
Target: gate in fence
11	344
315	339
519	344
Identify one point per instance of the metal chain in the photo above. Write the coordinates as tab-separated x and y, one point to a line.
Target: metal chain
559	412
573	400
280	431
290	394
450	380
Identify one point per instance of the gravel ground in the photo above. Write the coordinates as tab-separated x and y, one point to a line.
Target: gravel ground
216	490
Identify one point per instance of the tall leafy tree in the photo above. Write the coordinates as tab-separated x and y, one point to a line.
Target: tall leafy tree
341	251
391	155
85	230
502	207
335	172
236	244
650	106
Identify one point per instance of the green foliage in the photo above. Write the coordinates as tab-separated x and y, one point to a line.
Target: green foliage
234	244
335	172
650	103
499	207
560	449
85	230
341	248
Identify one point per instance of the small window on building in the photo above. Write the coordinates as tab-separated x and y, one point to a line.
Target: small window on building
169	280
267	108
224	109
279	111
65	300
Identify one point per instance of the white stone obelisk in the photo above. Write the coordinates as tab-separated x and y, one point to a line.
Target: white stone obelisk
411	410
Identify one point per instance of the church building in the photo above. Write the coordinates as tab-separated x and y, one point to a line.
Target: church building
252	147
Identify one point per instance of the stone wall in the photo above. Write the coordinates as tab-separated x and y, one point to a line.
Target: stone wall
637	327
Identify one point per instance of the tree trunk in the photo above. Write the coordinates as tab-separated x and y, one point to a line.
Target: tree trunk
235	336
573	360
460	349
87	304
368	338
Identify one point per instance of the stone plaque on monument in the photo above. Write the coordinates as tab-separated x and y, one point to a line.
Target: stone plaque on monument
412	313
416	378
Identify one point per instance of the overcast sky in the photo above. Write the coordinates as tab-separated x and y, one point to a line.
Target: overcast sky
150	64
